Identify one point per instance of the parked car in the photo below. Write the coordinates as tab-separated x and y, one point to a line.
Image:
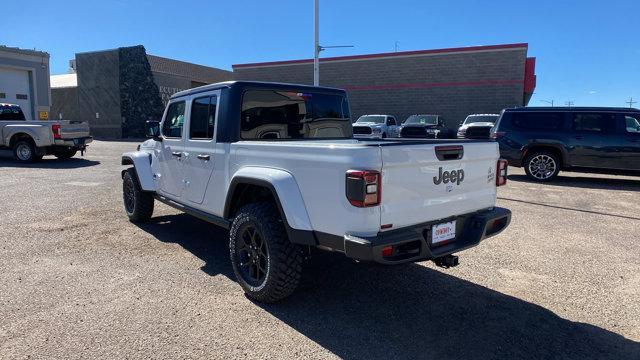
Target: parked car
31	140
477	126
283	196
424	126
375	126
590	139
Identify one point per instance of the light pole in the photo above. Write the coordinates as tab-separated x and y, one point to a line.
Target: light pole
548	102
316	45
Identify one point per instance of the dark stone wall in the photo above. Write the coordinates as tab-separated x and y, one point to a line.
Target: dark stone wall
99	92
139	96
453	85
64	104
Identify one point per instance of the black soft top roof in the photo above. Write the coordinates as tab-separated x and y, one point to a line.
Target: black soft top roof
255	85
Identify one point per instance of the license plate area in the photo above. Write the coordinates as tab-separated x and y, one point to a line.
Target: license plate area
443	233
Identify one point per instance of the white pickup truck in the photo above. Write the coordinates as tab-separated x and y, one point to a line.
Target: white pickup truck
31	140
277	165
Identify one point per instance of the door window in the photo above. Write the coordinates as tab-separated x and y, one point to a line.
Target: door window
203	118
174	121
632	123
595	122
391	121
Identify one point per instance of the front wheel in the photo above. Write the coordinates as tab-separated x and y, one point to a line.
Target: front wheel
542	166
138	204
267	265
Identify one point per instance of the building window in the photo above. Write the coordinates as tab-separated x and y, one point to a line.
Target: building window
3	95
22	97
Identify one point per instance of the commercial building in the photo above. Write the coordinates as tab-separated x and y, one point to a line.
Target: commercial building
451	82
24	80
118	90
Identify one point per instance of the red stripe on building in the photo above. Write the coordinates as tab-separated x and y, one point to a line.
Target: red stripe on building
388	55
530	75
433	85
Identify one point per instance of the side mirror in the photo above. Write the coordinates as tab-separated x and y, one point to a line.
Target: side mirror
440	123
152	130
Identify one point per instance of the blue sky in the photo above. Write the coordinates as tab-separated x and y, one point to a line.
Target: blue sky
587	51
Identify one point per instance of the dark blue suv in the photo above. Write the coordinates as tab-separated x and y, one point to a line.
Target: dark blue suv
546	140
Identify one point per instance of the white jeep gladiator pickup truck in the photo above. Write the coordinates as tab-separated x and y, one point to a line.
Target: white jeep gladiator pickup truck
31	140
277	165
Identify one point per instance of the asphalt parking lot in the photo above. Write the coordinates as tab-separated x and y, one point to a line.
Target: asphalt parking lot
77	280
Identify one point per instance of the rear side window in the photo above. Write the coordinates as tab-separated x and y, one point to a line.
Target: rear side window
632	123
277	114
593	122
391	121
537	121
203	118
174	121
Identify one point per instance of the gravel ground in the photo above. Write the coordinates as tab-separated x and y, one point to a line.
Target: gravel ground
77	280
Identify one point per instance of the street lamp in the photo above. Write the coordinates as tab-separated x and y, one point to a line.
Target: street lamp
316	44
548	102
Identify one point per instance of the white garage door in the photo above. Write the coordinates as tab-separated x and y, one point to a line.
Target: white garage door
14	84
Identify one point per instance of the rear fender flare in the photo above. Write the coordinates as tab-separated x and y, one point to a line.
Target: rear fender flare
564	158
287	195
141	162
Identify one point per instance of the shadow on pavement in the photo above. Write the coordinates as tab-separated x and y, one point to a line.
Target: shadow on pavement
409	311
7	161
586	182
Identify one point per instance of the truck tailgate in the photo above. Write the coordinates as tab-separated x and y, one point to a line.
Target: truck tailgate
73	129
419	185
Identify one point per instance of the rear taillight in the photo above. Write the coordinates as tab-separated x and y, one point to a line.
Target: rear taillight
497	134
55	129
501	172
363	187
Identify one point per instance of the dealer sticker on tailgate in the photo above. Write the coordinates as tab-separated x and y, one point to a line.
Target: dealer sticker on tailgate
443	232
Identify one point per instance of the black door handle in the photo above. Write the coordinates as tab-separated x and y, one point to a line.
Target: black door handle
204	157
177	154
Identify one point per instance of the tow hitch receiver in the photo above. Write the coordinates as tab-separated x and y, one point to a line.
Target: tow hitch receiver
446	261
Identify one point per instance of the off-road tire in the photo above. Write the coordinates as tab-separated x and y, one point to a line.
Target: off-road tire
541	155
65	154
283	258
139	207
25	151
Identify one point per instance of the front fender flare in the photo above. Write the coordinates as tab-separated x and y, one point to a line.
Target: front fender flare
287	195
141	162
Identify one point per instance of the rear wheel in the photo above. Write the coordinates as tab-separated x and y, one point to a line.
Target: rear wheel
542	165
267	265
65	154
24	151
138	204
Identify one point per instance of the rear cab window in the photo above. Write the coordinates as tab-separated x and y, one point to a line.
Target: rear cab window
289	114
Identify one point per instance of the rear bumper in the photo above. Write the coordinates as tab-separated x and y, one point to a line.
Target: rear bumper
76	142
413	243
368	136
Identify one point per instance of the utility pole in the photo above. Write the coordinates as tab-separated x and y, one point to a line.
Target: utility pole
569	103
631	102
316	45
396	47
